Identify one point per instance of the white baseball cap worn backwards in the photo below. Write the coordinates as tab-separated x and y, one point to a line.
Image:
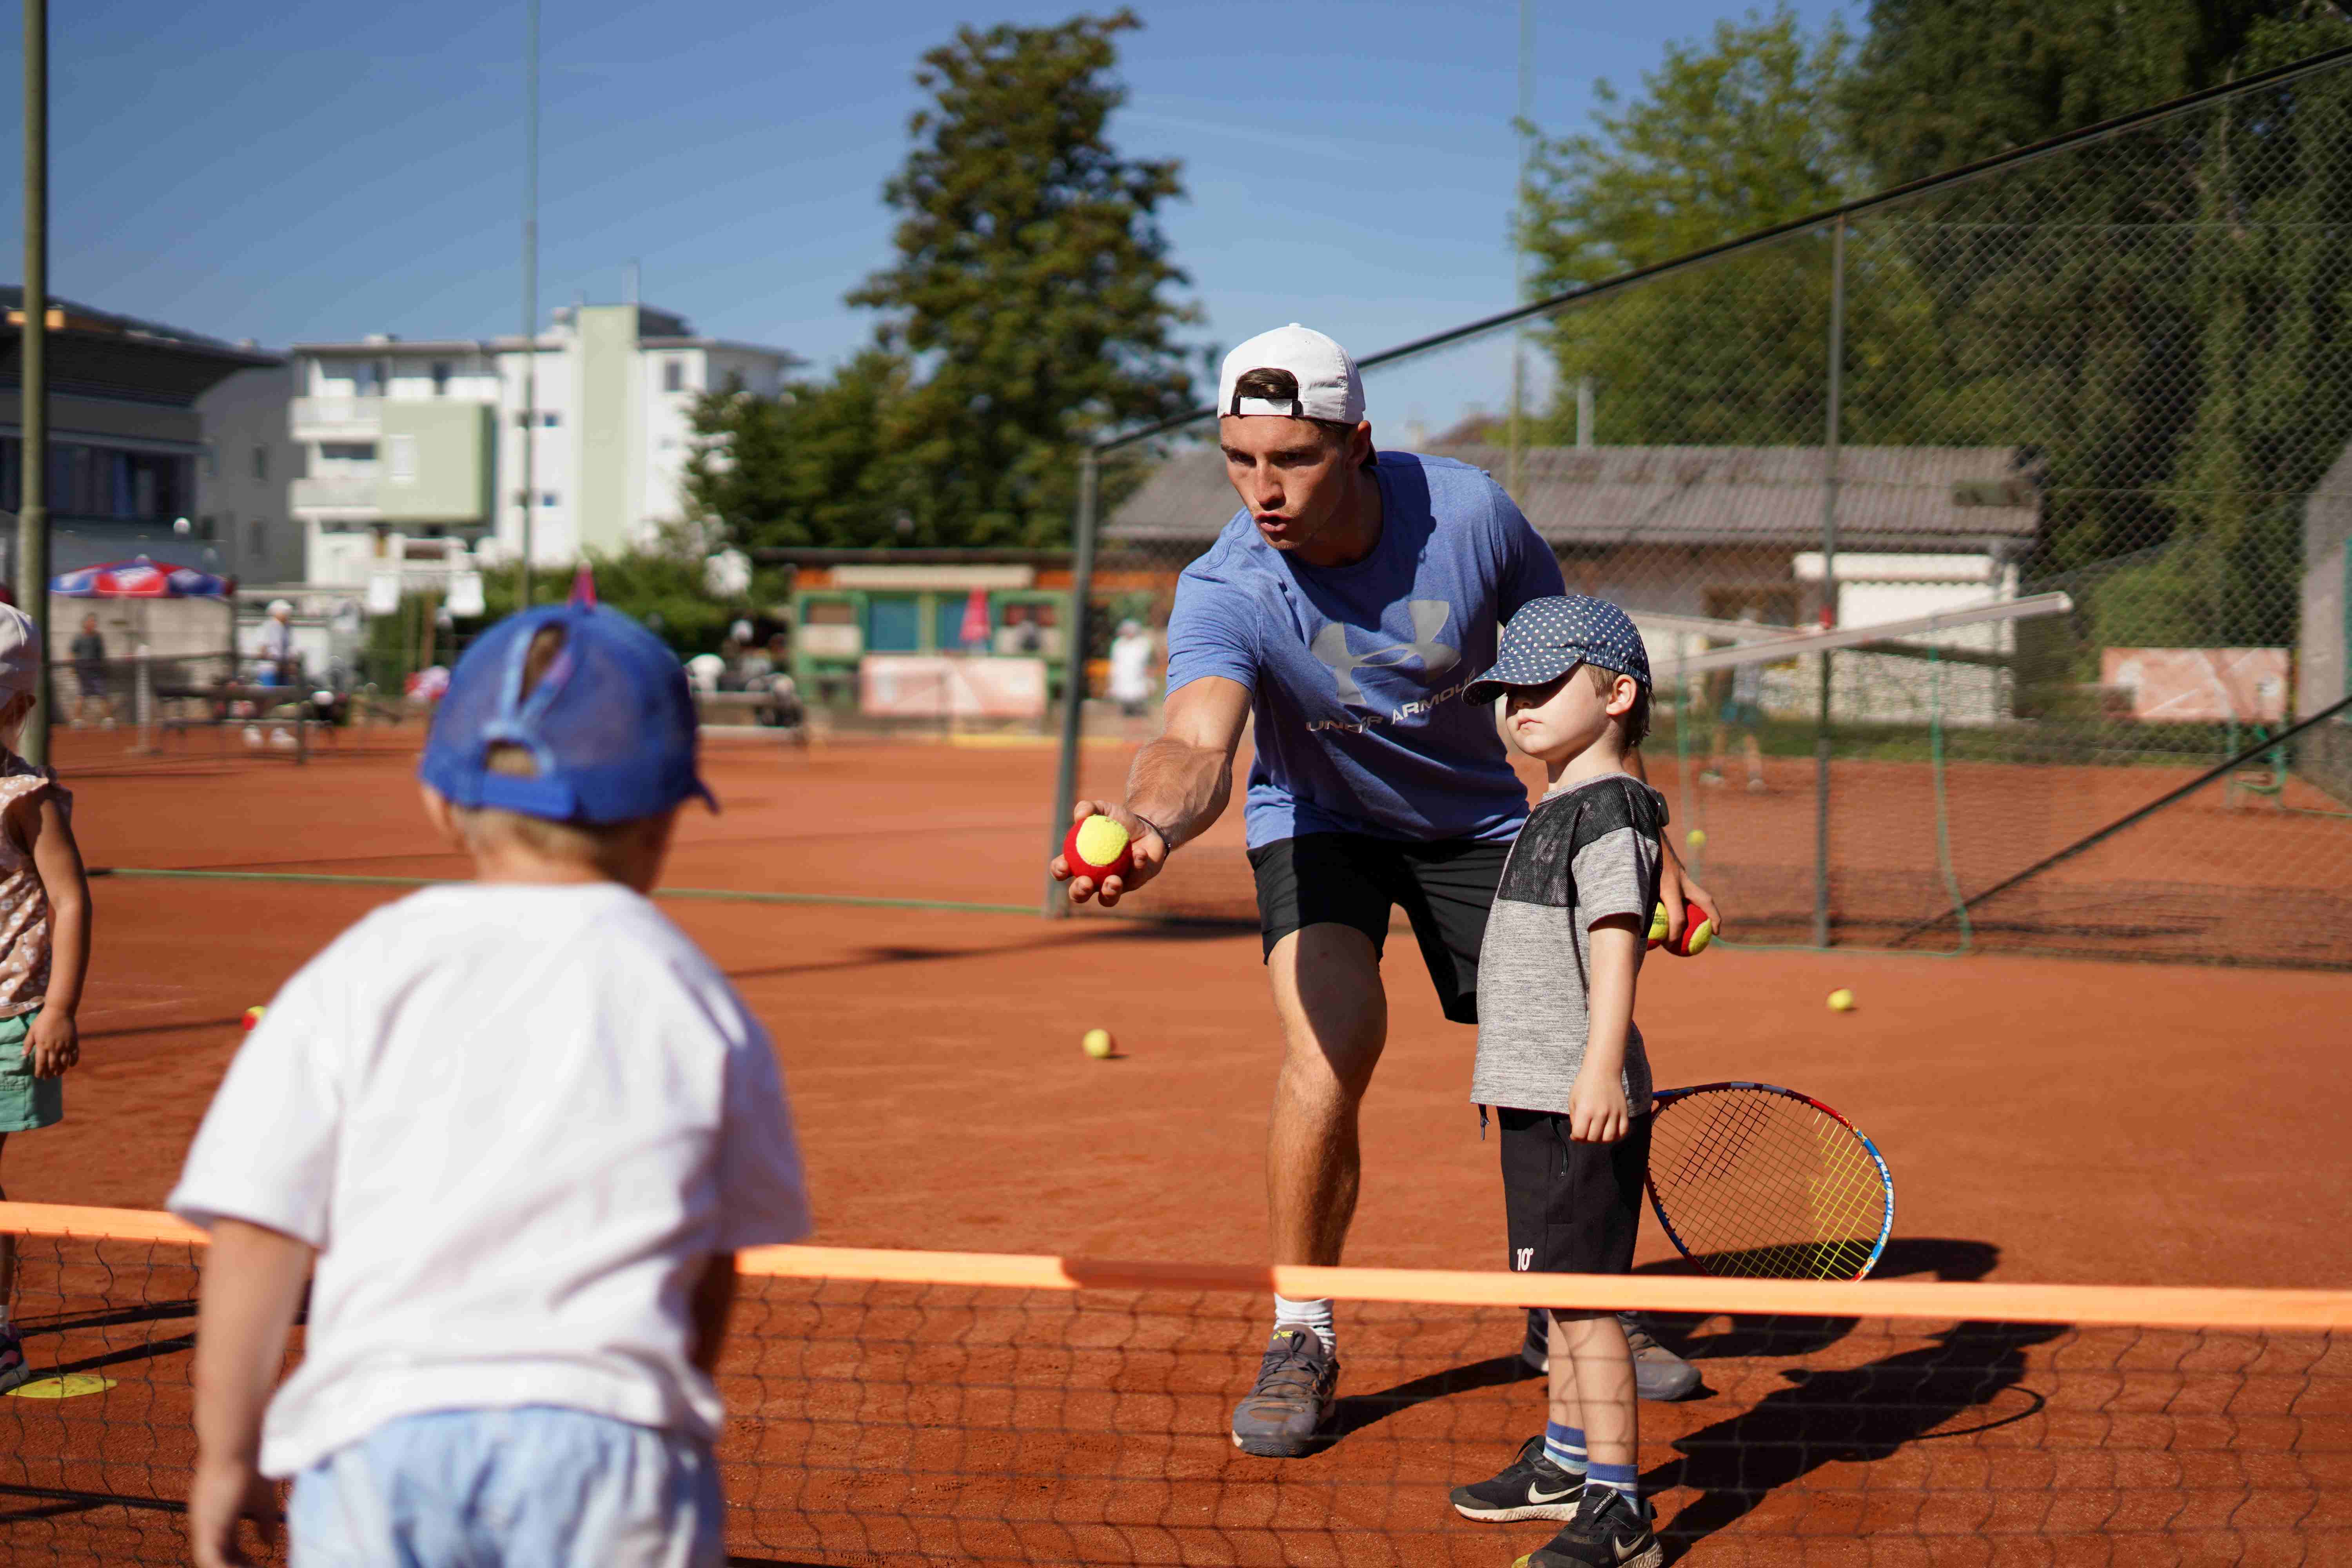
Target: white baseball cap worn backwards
1329	386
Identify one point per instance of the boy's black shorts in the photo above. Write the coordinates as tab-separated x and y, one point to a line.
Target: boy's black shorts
1446	887
1573	1207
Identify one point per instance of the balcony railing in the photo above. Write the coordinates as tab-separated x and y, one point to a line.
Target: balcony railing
340	491
315	417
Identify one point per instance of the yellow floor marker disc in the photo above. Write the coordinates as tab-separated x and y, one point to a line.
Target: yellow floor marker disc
72	1385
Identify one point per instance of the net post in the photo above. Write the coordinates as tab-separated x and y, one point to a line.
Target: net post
1074	675
1828	581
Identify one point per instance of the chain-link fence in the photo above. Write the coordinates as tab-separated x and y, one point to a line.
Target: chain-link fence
2118	369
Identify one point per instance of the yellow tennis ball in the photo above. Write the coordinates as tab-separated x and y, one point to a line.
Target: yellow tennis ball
1841	1001
1101	842
1695	838
1657	925
1099	1044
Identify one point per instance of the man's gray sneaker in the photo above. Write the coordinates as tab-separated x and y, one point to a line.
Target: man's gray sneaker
1658	1373
1288	1412
1532	1488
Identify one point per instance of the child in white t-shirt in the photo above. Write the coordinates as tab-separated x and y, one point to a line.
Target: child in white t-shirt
522	1125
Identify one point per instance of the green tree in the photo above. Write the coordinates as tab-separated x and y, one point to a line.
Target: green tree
1031	284
813	467
1727	136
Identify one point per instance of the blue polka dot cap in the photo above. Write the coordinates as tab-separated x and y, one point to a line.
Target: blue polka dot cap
1551	636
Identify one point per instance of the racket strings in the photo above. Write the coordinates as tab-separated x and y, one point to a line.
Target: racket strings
1761	1183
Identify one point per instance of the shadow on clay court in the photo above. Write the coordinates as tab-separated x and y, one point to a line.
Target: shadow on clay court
1852	1415
1354	1412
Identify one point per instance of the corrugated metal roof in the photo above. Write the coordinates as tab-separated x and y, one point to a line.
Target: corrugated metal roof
1900	497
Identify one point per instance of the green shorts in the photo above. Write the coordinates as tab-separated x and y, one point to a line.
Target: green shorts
25	1103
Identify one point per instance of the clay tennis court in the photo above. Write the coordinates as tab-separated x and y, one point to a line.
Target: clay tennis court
2046	1120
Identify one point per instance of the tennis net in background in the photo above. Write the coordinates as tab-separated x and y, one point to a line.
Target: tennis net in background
892	1407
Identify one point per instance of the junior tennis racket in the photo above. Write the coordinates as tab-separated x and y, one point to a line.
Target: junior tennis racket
1764	1182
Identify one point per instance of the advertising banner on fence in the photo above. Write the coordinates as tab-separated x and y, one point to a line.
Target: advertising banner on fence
937	686
2199	685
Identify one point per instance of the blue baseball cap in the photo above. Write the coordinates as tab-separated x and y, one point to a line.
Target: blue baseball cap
610	724
1551	636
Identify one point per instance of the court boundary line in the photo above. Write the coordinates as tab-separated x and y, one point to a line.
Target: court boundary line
711	895
2139	1306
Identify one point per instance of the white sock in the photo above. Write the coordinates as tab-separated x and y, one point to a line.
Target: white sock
1316	1315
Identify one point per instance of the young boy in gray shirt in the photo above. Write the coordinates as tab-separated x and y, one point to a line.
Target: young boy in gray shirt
1561	1061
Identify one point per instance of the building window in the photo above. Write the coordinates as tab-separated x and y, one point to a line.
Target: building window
261	462
400	454
347	451
551	419
211	461
368	377
674	375
547	497
257	537
440	378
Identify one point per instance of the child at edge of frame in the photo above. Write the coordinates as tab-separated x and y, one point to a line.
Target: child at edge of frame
520	1126
1560	1061
44	939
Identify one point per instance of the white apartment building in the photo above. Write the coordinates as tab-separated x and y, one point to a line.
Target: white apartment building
414	450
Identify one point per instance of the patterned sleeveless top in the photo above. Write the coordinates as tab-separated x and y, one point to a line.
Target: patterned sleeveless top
23	905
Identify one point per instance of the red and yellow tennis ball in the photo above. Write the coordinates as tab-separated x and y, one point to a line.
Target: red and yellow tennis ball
1097	848
1696	935
252	1016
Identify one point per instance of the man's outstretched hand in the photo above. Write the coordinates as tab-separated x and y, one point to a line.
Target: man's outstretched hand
1145	847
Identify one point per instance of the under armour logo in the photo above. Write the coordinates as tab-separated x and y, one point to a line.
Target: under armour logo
1523	1259
1429	618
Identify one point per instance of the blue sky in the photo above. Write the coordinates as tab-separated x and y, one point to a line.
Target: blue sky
298	171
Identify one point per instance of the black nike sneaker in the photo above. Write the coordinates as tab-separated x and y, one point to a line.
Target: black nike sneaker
1610	1530
1533	1487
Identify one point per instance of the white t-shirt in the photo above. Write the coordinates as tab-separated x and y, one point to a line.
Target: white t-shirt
516	1122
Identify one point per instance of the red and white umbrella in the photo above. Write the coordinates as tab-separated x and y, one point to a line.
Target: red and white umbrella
140	579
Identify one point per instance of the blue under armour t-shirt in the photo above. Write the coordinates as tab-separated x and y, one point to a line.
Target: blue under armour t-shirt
1355	672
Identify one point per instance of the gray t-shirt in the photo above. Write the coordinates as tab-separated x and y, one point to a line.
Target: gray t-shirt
1588	852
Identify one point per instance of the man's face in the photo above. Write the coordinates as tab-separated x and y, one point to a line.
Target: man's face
90	623
1293	474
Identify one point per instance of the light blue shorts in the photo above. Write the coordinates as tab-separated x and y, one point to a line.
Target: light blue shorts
538	1487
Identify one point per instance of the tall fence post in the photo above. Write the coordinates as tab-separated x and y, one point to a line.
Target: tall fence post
1829	583
1073	676
33	501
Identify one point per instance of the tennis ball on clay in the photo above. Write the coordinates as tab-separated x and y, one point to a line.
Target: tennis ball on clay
1097	848
1099	1044
1841	1001
1695	838
252	1016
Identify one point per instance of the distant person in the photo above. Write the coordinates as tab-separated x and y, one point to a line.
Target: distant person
90	674
281	661
1131	668
1741	713
43	938
1028	636
522	1126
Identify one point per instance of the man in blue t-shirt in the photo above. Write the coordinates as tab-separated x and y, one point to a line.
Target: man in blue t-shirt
1347	604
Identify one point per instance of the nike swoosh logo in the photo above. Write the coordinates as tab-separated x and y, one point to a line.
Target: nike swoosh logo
1625	1548
1537	1494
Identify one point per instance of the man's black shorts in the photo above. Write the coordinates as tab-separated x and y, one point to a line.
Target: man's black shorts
1353	880
1573	1208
